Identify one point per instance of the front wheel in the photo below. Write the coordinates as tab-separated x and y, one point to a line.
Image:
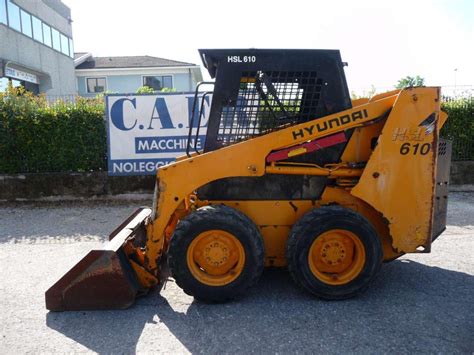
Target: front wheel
334	252
216	253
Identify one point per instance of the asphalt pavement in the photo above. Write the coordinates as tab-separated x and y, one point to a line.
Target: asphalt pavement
421	303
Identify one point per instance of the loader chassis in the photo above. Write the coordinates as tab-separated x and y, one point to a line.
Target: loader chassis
292	173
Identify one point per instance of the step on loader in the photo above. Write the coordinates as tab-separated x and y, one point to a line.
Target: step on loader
293	173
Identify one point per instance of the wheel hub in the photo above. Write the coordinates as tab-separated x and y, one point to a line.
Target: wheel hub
216	253
336	256
215	257
333	252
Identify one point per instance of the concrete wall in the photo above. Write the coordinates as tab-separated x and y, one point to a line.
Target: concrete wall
83	185
462	173
37	186
125	84
58	69
184	82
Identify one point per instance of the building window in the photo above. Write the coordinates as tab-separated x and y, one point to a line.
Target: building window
56	39
37	30
158	82
96	85
46	35
64	44
22	21
3	12
26	23
71	49
14	16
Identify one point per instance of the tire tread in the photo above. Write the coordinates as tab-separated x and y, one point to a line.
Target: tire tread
328	213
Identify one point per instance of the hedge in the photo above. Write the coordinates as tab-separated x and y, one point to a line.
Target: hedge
460	126
36	136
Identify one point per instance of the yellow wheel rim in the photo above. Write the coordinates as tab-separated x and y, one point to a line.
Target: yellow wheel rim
215	258
336	257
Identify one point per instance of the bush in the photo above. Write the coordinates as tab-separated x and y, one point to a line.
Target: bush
145	90
148	90
460	126
168	90
39	137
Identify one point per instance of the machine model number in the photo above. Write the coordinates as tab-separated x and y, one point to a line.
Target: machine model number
407	148
243	59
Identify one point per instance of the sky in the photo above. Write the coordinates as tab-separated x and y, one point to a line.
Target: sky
382	41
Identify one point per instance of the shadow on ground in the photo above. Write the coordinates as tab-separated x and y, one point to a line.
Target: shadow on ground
410	307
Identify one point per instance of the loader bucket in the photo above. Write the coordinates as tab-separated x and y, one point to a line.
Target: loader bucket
103	279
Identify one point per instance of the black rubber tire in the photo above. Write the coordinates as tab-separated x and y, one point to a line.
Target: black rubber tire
311	226
223	218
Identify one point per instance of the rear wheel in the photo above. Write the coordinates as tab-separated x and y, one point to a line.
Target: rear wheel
216	253
334	252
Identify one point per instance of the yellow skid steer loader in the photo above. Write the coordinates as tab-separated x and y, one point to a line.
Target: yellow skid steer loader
292	173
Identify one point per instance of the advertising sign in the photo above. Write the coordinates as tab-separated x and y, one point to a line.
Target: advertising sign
21	75
148	131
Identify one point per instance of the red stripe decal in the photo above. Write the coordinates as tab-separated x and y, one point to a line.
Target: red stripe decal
309	146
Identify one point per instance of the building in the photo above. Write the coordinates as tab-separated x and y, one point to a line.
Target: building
36	46
126	74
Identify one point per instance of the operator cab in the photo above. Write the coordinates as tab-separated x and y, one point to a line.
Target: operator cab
257	91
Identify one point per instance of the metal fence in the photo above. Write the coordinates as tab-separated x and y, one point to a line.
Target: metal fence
53	99
452	92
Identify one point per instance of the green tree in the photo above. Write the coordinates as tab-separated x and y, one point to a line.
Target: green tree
410	81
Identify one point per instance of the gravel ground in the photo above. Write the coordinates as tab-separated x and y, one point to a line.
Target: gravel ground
420	303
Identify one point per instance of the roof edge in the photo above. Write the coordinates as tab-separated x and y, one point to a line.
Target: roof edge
82	59
139	68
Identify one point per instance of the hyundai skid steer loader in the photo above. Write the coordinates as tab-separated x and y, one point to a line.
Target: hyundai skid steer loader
292	173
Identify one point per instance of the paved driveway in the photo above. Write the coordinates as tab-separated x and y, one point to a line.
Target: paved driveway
420	303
